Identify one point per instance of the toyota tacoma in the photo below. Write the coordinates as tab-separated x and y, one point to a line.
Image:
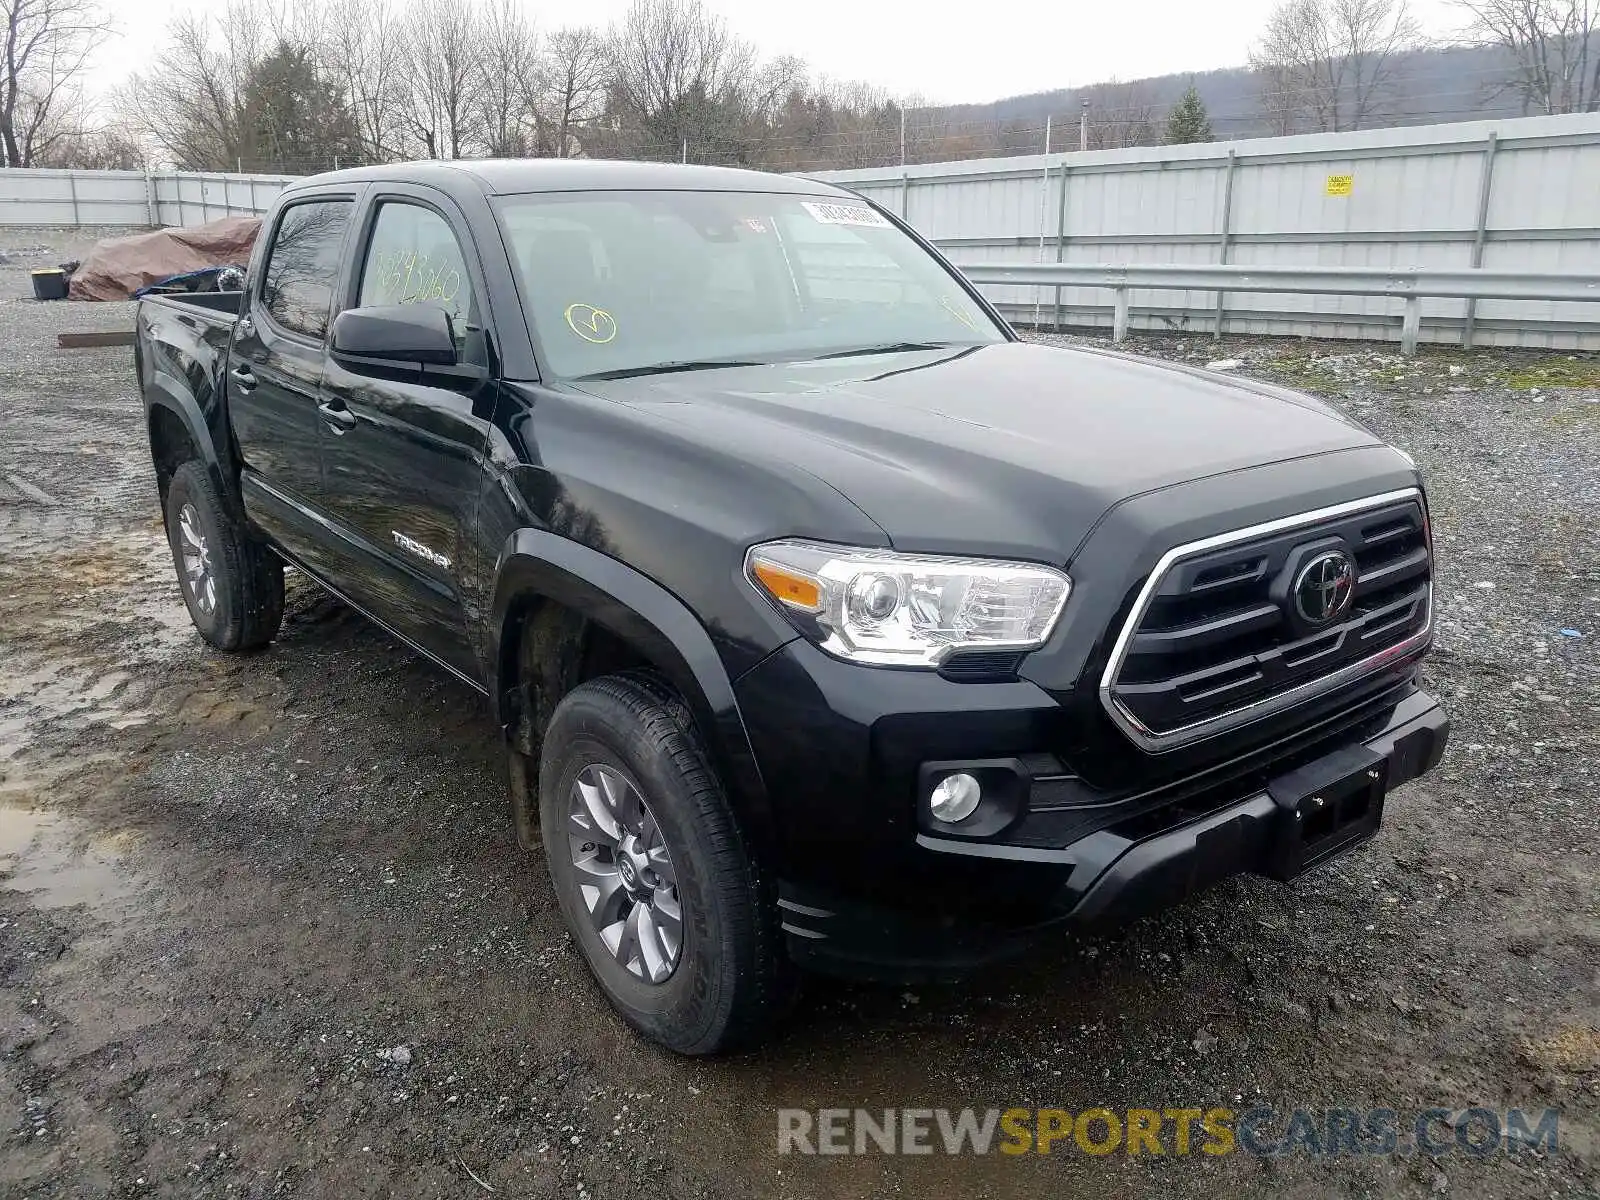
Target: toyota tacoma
827	623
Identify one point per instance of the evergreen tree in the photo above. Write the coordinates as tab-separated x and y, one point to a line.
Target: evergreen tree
1188	122
294	117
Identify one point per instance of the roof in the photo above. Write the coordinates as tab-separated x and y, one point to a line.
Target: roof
511	176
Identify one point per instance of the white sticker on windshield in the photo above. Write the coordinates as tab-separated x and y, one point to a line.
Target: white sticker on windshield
844	214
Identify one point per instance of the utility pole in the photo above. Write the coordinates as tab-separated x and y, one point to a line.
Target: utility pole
1083	128
686	150
1044	198
902	135
1044	201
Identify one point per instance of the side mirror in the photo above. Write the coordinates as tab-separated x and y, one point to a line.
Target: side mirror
409	334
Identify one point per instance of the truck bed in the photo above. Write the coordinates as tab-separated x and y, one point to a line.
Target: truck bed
181	345
226	303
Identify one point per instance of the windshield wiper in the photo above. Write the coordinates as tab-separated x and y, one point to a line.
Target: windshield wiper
667	368
888	348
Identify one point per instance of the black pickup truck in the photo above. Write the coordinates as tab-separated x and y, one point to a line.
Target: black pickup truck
827	623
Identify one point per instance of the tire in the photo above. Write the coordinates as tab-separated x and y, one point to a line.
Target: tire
724	990
237	601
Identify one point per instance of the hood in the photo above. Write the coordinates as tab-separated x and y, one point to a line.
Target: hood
1012	450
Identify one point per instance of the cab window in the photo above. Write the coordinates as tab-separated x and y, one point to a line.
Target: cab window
415	258
303	266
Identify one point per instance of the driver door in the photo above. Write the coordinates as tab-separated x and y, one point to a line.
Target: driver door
403	453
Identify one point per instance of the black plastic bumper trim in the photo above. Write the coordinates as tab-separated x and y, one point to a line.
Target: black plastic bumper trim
1112	878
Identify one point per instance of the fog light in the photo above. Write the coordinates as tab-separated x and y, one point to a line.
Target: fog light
955	798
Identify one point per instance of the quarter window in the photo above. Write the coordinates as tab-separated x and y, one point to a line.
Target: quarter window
303	266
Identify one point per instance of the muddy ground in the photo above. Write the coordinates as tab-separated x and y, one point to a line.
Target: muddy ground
228	884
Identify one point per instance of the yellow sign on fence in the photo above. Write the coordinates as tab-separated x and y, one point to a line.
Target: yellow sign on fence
1340	185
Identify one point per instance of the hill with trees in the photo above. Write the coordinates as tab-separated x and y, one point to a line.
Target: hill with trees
305	85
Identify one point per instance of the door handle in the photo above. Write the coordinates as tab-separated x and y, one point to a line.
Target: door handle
338	417
243	378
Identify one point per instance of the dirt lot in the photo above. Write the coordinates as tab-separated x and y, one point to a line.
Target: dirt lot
228	884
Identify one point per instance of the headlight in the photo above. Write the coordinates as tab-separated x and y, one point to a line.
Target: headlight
888	609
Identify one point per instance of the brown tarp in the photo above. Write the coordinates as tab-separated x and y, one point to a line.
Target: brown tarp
118	267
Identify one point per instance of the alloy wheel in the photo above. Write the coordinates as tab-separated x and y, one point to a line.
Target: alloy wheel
624	873
198	574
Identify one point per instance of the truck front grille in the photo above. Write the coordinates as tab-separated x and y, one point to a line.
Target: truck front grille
1235	628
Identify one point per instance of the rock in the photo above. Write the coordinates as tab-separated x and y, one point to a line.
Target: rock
1289	1008
1440	1182
1457	369
1224	364
1204	1040
1336	1002
1485	584
400	1056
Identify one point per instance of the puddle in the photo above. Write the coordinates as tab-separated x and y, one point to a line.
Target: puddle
56	863
63	690
153	608
166	625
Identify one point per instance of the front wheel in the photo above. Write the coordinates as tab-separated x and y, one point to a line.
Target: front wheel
652	874
232	584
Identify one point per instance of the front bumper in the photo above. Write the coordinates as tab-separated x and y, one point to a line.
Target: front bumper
1115	873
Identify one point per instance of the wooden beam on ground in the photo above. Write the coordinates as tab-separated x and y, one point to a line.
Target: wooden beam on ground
85	341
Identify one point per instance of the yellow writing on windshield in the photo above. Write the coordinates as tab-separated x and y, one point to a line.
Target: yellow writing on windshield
590	323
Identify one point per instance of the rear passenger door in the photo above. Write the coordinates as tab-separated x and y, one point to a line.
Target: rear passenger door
275	370
403	452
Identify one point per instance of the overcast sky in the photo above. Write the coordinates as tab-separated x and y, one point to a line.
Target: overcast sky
946	52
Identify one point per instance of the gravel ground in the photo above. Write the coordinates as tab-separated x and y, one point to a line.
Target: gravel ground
231	889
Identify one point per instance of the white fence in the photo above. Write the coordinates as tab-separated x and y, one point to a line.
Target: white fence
1515	195
1518	195
71	199
1412	284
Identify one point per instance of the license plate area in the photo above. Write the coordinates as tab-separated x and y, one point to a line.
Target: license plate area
1325	808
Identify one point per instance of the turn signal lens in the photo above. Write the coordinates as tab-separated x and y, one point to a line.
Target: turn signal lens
788	586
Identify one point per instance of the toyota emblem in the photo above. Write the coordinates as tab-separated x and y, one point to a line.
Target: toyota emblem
1324	588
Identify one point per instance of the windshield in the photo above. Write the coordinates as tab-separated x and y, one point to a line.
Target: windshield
628	282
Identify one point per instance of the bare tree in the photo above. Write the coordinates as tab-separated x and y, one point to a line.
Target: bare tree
441	52
191	103
250	86
361	48
679	74
575	73
47	43
106	148
1329	65
1120	115
1554	46
846	124
770	85
507	85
